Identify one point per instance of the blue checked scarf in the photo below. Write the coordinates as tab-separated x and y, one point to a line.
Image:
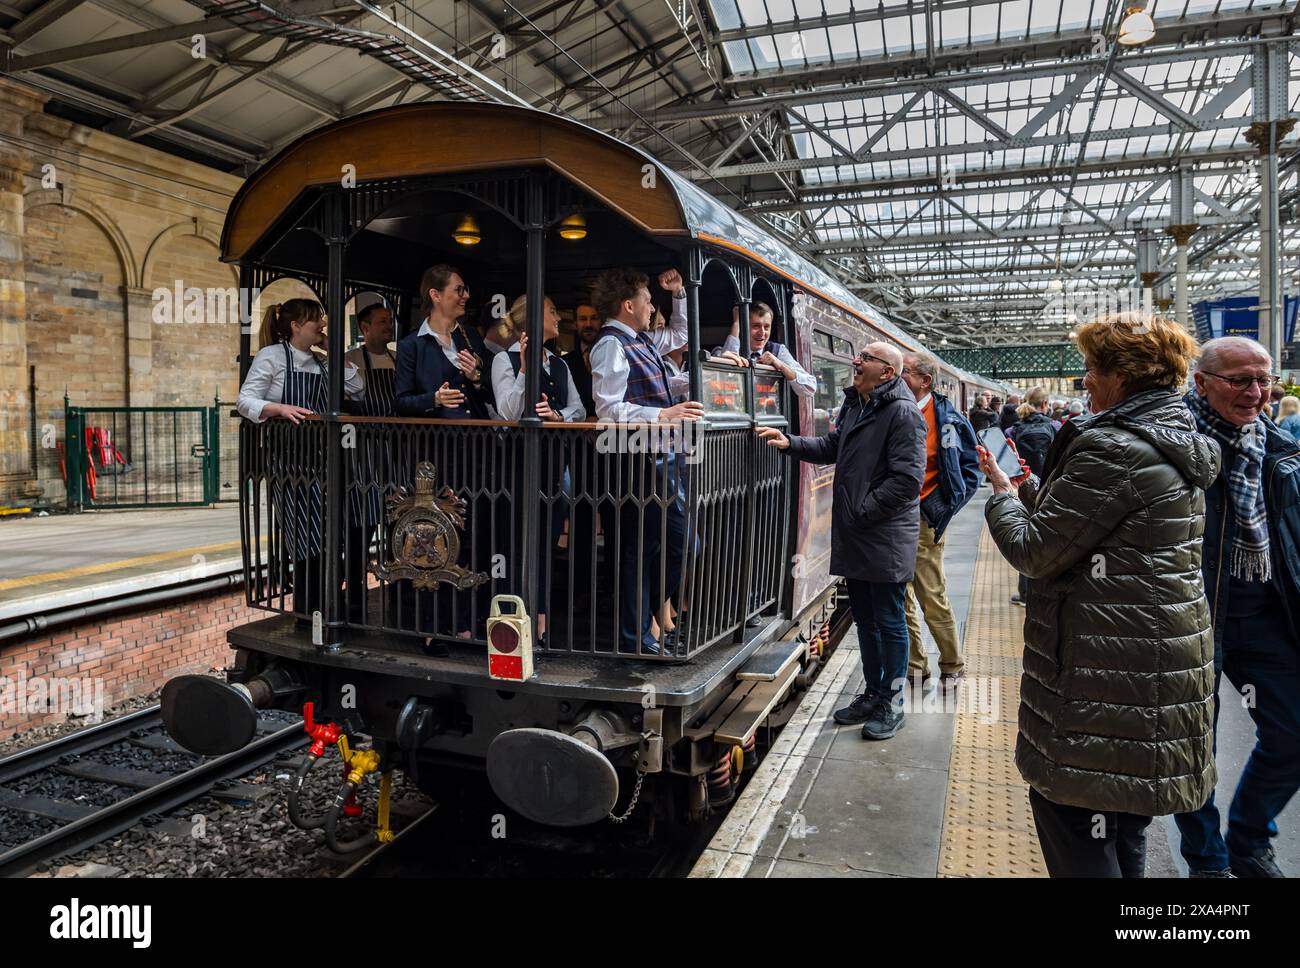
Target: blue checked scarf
1245	446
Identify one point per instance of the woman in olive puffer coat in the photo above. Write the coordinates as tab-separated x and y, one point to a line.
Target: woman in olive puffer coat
1116	708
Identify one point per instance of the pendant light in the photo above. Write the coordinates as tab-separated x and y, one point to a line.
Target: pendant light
574	227
467	232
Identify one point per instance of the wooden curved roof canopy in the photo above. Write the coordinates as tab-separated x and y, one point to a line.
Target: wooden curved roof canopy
444	137
448	137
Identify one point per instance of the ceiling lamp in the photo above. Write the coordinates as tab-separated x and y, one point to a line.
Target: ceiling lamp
1137	28
1055	285
574	227
943	341
467	232
1073	335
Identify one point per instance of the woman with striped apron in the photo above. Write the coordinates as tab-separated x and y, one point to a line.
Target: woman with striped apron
371	470
286	380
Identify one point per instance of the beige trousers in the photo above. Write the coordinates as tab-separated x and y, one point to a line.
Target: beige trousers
930	587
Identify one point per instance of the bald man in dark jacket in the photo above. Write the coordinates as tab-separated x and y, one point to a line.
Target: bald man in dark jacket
878	449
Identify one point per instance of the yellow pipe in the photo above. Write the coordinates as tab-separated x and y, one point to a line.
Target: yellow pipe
382	832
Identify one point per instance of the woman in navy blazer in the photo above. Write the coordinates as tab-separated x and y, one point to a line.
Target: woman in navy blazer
441	368
442	372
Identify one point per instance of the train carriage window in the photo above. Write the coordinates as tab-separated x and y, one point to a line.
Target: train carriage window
833	376
823	341
843	347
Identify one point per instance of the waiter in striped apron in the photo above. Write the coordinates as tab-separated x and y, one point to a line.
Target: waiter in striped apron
371	467
287	380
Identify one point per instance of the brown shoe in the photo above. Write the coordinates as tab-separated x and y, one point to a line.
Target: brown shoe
949	680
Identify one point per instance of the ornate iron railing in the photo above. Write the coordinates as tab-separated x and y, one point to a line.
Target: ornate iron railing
631	523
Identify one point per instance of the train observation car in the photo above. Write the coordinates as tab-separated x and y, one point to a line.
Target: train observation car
469	530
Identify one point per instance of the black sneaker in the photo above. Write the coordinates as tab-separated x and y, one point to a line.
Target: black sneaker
1017	600
1226	872
858	711
1263	864
885	723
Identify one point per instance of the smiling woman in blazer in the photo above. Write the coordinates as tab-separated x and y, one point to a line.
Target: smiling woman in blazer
441	367
442	372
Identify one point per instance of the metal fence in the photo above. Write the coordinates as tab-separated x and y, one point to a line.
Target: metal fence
226	421
632	523
129	457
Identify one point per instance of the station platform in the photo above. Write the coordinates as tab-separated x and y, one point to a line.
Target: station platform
942	798
62	561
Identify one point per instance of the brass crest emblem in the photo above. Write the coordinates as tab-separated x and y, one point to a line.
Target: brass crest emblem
425	541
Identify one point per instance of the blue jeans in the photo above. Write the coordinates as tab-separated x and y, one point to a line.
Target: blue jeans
1259	655
882	634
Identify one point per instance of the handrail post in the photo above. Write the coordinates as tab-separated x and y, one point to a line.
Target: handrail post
699	433
531	423
745	279
693	280
335	499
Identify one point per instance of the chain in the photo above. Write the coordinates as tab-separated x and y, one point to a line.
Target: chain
636	792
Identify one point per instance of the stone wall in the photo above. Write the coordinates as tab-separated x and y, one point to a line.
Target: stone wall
90	227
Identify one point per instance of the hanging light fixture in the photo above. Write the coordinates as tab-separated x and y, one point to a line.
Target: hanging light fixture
1137	28
943	341
574	227
467	232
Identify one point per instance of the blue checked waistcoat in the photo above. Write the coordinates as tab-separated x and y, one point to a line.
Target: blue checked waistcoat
647	380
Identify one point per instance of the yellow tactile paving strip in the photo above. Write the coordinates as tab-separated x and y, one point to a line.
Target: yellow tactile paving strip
988	830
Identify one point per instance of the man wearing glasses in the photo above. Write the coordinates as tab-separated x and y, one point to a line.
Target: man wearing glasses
1252	582
878	449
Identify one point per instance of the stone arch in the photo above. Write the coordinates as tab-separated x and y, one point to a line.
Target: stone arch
193	312
194	227
51	196
75	283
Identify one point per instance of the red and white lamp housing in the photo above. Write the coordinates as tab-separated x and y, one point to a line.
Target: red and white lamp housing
510	640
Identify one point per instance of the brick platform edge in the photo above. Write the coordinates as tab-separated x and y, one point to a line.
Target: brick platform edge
76	669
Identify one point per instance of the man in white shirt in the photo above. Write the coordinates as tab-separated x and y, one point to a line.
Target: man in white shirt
764	349
374	360
609	366
630	384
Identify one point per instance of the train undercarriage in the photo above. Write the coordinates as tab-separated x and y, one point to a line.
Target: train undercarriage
576	744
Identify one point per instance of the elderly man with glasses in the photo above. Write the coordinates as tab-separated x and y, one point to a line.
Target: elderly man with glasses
878	449
1252	580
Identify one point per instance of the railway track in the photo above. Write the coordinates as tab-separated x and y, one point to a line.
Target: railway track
76	791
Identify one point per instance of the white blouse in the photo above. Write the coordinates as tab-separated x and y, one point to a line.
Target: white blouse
265	381
509	387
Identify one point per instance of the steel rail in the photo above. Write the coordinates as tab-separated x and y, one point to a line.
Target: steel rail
171	793
45	755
